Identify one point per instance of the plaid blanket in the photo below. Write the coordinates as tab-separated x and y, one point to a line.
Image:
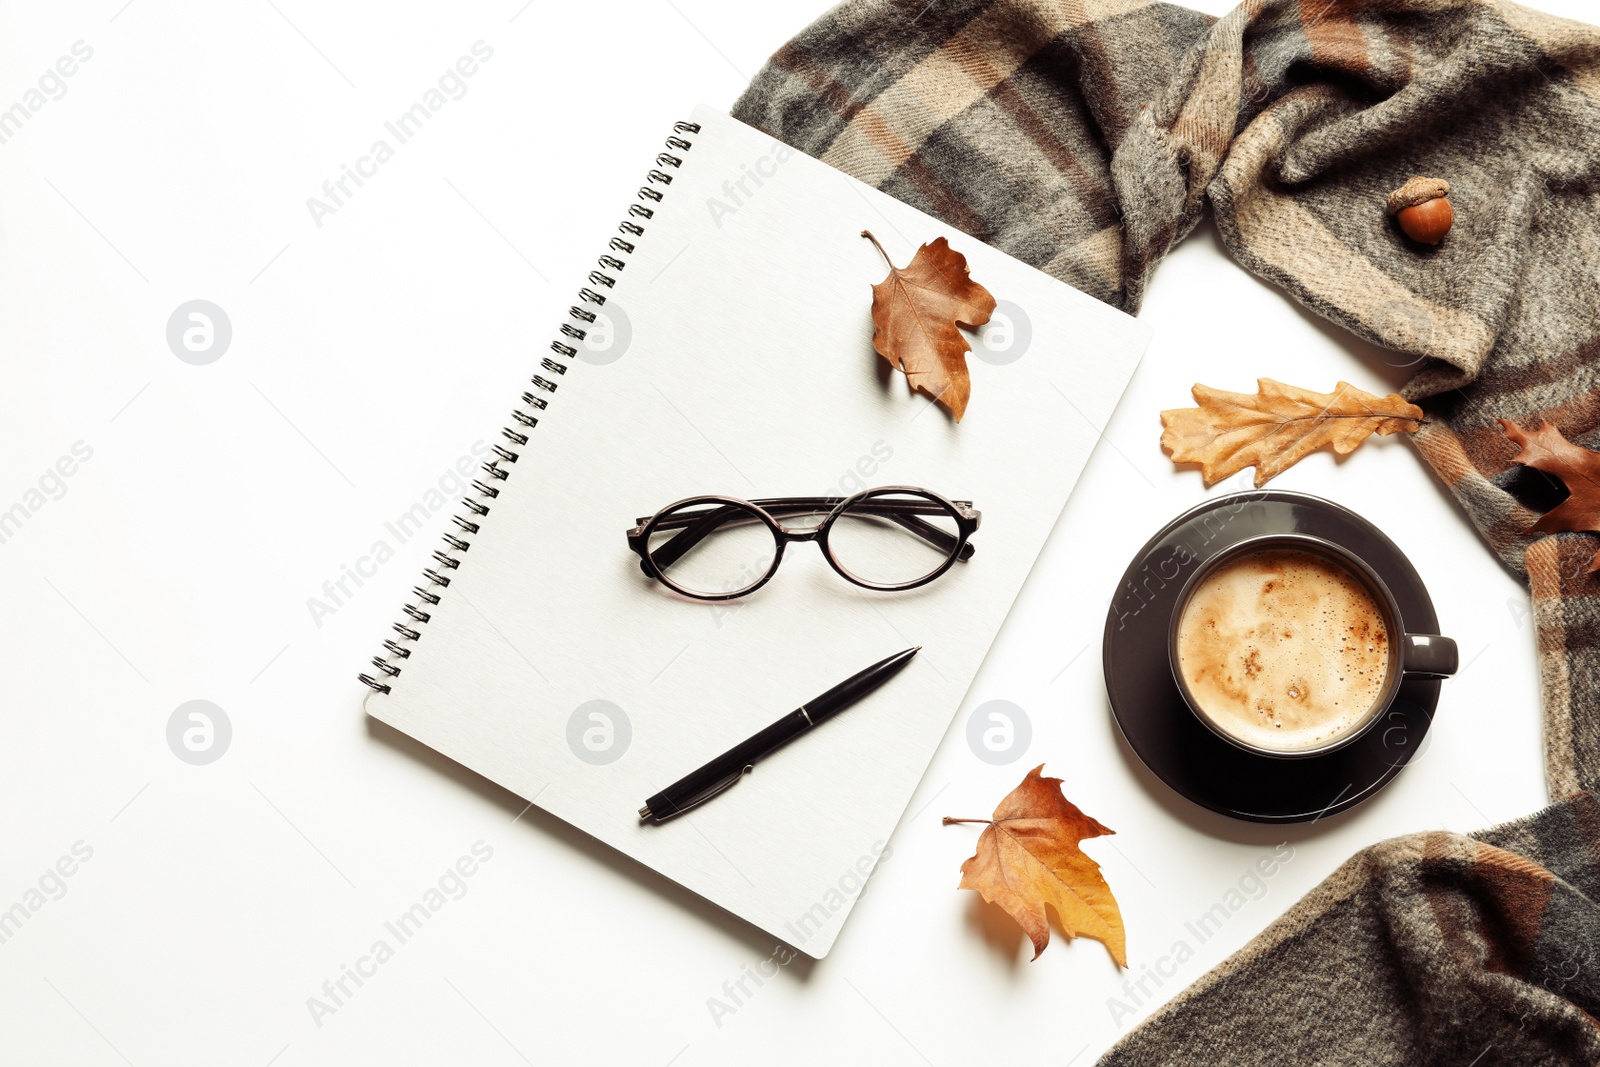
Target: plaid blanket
1087	137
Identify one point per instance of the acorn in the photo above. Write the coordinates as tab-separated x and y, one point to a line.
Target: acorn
1422	207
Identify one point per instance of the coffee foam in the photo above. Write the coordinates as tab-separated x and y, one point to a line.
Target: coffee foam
1283	649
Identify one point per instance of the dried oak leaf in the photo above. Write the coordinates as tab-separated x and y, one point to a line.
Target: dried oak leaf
1545	449
1029	857
1276	428
916	312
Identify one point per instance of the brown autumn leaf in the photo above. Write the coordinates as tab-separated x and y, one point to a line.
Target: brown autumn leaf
916	311
1276	428
1029	857
1545	449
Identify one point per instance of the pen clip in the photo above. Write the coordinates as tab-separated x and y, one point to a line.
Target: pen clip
708	792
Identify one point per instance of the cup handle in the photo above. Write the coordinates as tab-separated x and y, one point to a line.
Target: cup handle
1430	656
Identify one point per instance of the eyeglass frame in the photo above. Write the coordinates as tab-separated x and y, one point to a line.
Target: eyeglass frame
967	522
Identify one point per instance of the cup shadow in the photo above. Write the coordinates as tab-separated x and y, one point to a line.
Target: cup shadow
1212	824
757	941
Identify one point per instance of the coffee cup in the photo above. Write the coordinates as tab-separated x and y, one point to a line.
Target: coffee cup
1290	646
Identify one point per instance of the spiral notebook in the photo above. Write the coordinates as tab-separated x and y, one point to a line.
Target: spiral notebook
723	345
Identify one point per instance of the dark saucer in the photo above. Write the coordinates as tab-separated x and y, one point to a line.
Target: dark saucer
1166	735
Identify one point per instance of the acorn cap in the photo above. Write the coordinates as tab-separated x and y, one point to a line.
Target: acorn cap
1417	191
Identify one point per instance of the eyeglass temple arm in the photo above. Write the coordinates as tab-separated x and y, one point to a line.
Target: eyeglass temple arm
932	534
697	528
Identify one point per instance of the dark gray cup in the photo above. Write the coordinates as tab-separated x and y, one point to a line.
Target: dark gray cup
1410	655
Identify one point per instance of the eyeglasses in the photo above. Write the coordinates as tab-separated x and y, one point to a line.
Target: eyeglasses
721	547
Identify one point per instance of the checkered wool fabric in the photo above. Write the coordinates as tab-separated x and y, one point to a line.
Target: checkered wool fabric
1087	137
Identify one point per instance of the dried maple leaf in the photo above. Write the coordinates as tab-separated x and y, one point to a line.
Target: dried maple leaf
916	311
1545	449
1029	857
1276	428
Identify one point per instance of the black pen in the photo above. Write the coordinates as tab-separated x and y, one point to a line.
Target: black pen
699	786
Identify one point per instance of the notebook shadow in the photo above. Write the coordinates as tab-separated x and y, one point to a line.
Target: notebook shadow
757	941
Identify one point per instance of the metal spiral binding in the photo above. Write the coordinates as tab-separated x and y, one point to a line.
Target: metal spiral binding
447	560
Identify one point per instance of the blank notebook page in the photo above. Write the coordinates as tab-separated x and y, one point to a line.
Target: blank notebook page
734	356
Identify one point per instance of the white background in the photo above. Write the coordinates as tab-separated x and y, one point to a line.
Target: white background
368	354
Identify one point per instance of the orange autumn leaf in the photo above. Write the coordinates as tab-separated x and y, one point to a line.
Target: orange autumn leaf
1277	427
1545	449
1029	857
916	312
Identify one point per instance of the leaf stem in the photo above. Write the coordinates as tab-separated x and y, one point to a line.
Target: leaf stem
868	235
948	820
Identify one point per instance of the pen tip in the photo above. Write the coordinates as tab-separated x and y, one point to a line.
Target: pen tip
917	648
